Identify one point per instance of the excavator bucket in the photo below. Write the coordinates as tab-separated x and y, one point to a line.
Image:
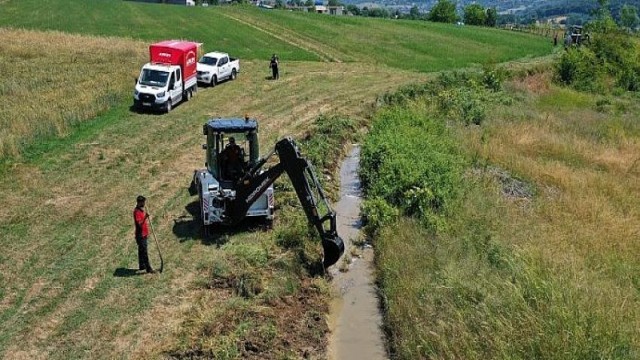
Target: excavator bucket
333	248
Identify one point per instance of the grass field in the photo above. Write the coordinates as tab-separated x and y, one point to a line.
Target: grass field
252	33
410	45
53	84
67	238
539	259
74	160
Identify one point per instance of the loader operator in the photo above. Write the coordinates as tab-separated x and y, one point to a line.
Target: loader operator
232	160
142	232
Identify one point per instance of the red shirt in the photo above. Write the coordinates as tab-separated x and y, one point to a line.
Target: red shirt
139	218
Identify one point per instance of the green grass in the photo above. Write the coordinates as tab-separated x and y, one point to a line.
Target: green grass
414	45
252	33
55	70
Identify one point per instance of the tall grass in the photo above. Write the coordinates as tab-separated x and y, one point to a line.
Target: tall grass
59	80
548	271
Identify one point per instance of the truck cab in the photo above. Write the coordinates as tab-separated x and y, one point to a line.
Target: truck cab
169	77
159	87
214	67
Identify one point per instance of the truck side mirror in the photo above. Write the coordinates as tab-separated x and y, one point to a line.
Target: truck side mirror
204	146
135	80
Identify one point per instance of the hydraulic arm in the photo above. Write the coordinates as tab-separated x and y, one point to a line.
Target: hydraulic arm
253	184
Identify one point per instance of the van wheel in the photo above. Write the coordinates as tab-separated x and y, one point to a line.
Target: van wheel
214	80
187	96
168	106
234	74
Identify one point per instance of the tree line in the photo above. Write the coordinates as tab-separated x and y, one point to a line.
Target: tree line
443	11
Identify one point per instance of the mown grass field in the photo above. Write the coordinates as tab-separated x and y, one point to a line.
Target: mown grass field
74	159
409	45
537	257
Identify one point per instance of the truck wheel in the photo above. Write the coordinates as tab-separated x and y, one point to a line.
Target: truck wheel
168	106
214	80
234	74
187	96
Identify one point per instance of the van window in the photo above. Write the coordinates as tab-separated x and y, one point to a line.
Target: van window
178	74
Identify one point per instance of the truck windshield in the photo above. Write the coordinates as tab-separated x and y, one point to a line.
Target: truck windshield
206	60
154	78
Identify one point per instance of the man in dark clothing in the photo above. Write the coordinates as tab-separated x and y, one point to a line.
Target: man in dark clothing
232	160
142	232
274	67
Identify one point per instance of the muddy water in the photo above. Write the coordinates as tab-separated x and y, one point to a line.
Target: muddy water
355	318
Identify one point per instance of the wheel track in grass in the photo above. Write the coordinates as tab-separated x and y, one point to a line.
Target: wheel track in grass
306	45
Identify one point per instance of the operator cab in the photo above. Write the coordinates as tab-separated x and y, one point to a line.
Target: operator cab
232	148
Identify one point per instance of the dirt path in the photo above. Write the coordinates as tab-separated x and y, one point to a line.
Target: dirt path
355	318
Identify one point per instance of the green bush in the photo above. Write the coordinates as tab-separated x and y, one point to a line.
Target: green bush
493	77
629	78
612	57
324	147
579	68
457	96
463	104
411	161
377	213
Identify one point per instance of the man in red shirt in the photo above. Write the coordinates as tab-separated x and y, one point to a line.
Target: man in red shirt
142	232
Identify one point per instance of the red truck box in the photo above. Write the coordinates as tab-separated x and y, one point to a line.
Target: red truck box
176	52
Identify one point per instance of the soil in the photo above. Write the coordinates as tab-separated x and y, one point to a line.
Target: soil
298	320
355	319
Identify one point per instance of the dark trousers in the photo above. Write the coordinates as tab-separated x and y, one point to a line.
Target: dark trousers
143	256
274	71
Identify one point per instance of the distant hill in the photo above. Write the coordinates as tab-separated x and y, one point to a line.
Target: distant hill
521	10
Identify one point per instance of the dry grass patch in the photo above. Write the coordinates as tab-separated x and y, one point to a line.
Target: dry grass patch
536	84
583	229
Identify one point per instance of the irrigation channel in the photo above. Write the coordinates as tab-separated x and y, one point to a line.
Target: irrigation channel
355	318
